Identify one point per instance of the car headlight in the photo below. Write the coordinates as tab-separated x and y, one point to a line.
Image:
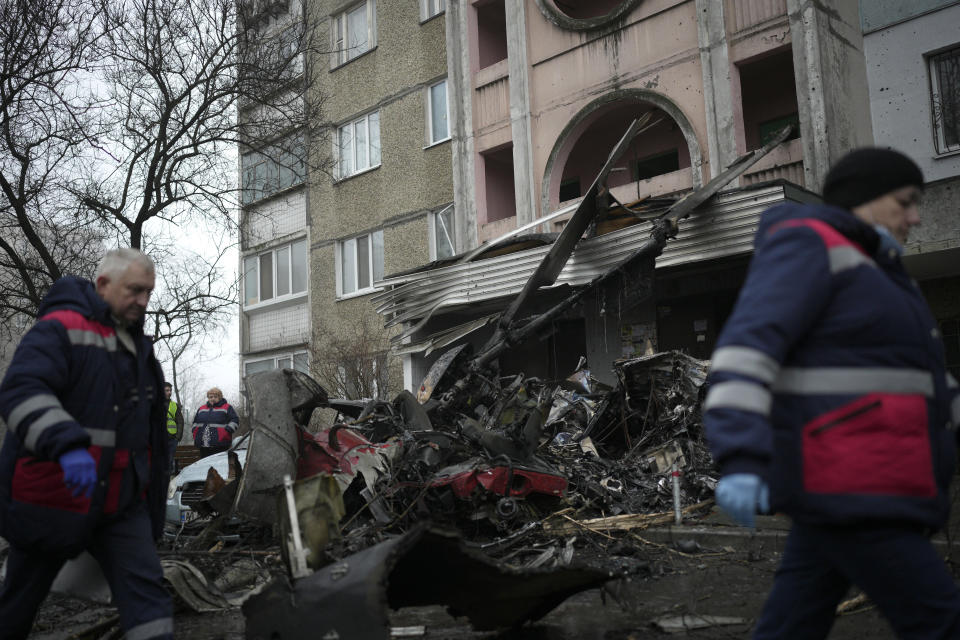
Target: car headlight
172	488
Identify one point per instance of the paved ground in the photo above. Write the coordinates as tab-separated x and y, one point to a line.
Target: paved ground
722	571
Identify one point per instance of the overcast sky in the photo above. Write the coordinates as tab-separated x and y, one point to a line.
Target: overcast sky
218	360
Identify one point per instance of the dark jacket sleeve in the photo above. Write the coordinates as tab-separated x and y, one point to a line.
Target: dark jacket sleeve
787	287
30	396
178	419
160	457
233	421
953	392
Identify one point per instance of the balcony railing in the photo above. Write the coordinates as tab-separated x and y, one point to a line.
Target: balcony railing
785	162
492	100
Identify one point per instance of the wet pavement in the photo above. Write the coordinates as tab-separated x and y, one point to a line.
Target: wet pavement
704	570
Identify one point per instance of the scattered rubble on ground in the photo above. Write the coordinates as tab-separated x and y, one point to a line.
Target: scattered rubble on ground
507	475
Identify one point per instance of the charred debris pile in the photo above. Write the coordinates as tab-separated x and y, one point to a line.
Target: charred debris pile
495	459
480	477
492	457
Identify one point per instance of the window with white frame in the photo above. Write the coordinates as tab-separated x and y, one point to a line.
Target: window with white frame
441	224
438	115
945	95
275	274
354	31
298	360
358	145
430	8
359	263
273	169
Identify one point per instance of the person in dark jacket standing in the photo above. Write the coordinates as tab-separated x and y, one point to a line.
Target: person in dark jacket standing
174	424
829	401
214	424
84	462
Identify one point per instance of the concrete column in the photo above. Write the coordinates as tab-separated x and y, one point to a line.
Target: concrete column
831	77
520	111
717	88
460	95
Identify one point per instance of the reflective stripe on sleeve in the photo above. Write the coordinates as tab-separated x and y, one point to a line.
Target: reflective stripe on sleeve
102	437
952	382
234	425
85	338
846	257
747	361
853	380
955	412
44	422
739	394
153	629
28	406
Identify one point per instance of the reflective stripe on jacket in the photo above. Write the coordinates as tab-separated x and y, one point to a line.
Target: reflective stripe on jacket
829	377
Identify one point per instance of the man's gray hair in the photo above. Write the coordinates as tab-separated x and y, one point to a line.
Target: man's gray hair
115	262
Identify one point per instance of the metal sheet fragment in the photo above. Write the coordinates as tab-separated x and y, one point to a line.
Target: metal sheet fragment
348	599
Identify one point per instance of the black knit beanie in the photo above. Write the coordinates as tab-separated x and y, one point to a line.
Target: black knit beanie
866	174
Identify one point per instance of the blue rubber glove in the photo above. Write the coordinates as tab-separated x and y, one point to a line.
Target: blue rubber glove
741	495
79	472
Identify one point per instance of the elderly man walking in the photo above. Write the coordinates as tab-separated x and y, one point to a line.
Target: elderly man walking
84	464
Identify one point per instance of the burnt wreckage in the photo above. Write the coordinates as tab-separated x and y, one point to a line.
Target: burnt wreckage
479	476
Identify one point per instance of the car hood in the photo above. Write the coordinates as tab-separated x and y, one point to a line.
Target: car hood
197	471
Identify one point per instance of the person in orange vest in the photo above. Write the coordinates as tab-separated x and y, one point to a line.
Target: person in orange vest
174	424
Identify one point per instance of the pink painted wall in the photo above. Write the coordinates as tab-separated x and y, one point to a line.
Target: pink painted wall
658	51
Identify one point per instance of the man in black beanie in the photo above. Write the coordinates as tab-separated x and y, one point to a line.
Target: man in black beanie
830	401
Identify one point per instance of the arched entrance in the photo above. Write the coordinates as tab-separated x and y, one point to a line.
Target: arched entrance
582	147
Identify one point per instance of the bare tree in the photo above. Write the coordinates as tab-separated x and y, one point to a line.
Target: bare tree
119	121
44	123
118	116
194	297
353	361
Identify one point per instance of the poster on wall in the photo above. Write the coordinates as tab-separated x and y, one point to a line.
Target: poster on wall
638	339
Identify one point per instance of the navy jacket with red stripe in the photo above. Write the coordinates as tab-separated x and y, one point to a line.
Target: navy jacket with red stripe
829	379
214	425
72	384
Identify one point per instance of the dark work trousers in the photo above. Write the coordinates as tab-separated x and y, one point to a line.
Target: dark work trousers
124	548
172	449
896	567
209	451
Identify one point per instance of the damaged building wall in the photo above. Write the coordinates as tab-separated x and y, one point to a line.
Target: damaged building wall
681	59
374	217
648	59
831	82
903	44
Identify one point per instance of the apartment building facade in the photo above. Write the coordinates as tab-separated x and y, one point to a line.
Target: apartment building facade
274	231
454	123
387	204
540	93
